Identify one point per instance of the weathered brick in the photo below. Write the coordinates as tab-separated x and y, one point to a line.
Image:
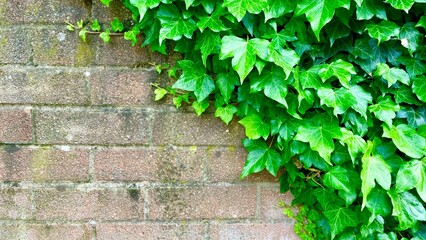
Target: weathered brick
43	86
165	164
119	52
122	87
15	203
226	164
150	231
43	164
270	203
15	46
58	46
77	204
106	14
202	202
15	126
44	231
188	129
92	126
270	231
34	11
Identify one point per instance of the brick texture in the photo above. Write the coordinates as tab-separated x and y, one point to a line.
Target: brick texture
15	126
86	153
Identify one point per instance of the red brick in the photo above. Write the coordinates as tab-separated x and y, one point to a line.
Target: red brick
92	126
150	164
122	88
43	86
35	11
270	199
80	204
43	164
44	231
188	129
15	126
15	203
230	202
14	45
255	231
58	46
226	165
150	231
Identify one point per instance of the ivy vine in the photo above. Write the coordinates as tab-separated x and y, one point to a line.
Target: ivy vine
334	92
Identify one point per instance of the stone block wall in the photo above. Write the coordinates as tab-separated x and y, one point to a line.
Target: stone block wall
85	152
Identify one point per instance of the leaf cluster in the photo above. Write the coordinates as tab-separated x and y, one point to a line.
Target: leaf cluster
334	92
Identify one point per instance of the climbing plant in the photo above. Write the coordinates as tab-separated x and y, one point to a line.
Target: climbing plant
332	91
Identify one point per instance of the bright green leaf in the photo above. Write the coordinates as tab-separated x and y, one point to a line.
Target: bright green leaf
340	69
255	127
95	25
159	93
277	8
374	169
194	78
243	53
401	4
355	143
319	12
144	5
383	31
106	2
340	218
105	36
370	8
200	107
385	110
261	158
407	209
411	175
238	8
173	24
340	100
208	42
117	25
285	58
392	75
226	113
406	140
419	87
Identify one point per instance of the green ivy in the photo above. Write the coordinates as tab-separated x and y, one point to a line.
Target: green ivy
334	92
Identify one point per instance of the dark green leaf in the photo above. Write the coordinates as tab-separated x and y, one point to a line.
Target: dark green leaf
173	24
383	31
208	42
340	218
226	83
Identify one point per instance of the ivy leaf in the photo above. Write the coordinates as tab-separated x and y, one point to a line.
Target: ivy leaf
106	2
144	5
255	127
173	24
226	113
117	25
320	136
401	4
159	93
95	25
363	98
422	22
411	175
212	22
105	36
410	37
340	69
340	100
404	94
406	140
319	12
383	31
413	66
340	218
369	9
407	209
419	87
385	110
188	3
243	53
261	158
415	117
355	143
238	8
226	83
194	78
272	83
310	79
379	204
285	58
277	8
392	75
200	107
338	178
208	42
374	169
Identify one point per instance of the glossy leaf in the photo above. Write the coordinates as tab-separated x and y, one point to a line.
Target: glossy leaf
406	140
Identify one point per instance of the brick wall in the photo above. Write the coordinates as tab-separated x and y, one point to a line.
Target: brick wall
85	153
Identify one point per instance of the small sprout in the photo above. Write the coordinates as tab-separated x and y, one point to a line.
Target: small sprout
80	24
95	25
159	93
117	25
105	35
82	34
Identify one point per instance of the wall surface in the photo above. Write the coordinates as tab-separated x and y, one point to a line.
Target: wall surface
85	152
